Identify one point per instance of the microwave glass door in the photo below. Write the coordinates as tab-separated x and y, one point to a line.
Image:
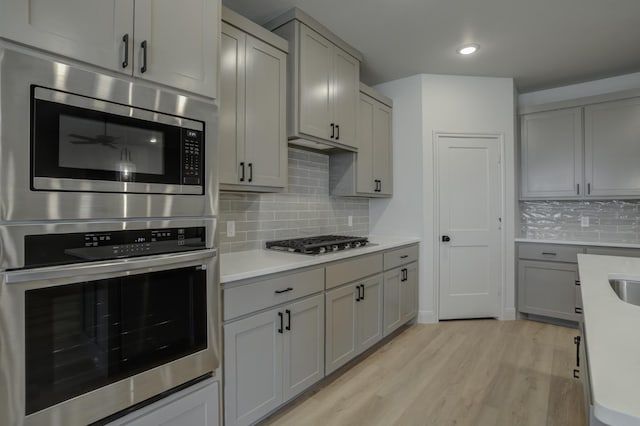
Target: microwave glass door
79	138
86	335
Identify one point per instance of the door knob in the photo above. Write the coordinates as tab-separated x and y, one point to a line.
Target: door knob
446	239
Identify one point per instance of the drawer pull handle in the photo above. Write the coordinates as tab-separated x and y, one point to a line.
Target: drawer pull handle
404	256
548	253
284	291
577	282
576	373
578	310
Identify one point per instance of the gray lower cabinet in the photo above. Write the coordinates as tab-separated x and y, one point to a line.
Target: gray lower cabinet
197	405
400	296
548	288
271	357
354	320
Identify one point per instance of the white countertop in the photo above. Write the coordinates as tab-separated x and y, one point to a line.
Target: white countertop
579	243
613	339
254	263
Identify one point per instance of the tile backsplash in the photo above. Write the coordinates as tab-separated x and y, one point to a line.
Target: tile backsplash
306	209
609	220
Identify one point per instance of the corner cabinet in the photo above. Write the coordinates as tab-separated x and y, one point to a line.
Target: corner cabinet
174	43
253	142
369	172
324	82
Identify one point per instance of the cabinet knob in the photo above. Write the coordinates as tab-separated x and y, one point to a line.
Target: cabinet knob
446	238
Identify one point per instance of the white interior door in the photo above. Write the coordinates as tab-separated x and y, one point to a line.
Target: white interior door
469	193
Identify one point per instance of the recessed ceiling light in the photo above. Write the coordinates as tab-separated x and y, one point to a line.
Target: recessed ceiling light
468	49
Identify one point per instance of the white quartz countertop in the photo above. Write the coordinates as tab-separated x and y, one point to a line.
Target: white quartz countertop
578	243
613	339
254	263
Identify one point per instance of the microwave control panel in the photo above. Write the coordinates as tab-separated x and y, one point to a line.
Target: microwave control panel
59	249
192	157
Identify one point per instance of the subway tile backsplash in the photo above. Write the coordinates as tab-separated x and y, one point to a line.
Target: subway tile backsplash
306	209
609	220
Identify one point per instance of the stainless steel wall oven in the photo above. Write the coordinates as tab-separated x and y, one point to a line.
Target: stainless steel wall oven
96	317
80	144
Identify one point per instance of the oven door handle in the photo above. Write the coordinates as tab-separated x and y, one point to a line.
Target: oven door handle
108	267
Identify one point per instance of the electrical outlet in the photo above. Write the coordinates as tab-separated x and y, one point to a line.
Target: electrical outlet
231	228
584	221
350	220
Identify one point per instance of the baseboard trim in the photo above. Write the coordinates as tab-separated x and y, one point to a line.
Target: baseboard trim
427	317
508	314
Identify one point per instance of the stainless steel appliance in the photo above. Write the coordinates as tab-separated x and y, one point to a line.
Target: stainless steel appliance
81	144
97	317
319	244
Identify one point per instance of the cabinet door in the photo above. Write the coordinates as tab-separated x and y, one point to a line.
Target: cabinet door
252	367
612	148
265	109
364	158
551	150
382	151
303	352
547	288
409	293
392	318
316	65
91	31
370	313
232	98
345	92
182	44
341	332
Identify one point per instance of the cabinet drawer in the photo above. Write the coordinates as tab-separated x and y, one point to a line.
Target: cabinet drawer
614	251
263	294
550	252
400	256
353	269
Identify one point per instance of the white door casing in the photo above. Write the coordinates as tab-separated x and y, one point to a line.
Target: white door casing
469	211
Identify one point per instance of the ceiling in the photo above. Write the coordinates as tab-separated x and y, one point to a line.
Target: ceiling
540	43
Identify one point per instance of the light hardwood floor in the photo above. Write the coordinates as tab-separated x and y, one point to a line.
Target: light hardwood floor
480	372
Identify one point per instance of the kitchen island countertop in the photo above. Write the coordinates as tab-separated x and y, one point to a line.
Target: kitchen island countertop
254	263
613	343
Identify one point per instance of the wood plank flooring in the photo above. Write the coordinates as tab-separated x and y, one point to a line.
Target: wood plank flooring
475	373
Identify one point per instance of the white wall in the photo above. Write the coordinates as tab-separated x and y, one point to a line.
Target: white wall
448	104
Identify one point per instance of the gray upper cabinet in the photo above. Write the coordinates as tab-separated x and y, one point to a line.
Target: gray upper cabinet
369	172
253	142
91	31
552	158
174	43
324	79
181	40
612	148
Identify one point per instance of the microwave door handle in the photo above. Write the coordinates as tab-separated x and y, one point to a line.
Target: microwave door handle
107	267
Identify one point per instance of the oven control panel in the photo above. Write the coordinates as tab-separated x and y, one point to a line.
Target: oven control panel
191	157
58	249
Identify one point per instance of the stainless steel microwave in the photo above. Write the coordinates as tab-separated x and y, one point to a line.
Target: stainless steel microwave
79	143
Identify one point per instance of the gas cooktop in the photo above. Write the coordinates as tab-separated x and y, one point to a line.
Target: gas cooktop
319	244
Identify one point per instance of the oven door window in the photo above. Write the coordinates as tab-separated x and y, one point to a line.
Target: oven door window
83	336
78	143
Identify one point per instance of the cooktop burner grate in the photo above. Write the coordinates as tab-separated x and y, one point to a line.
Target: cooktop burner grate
319	244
